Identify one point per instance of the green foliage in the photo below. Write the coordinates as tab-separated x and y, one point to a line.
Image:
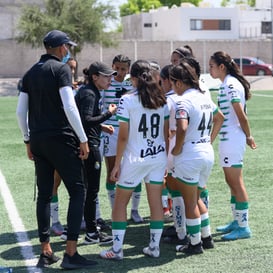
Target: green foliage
83	20
137	6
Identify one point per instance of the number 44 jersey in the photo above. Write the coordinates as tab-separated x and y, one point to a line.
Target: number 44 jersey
198	109
146	129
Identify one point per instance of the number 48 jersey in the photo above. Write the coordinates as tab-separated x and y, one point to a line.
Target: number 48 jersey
146	129
198	109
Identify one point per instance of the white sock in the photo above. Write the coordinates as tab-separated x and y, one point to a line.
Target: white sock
135	200
205	225
54	212
179	217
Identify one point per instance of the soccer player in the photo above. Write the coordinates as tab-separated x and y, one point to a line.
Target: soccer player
143	134
198	123
234	135
119	86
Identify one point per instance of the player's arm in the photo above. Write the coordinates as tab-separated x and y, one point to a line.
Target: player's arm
73	116
218	119
182	126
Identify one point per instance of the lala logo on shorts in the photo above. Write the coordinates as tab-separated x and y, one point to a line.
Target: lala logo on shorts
151	150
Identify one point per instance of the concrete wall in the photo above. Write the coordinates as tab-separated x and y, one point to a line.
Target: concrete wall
17	58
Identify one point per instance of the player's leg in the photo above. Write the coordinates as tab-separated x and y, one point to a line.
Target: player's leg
56	225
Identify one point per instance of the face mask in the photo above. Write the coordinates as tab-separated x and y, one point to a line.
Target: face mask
66	57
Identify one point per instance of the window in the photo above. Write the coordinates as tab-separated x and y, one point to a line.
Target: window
147	25
207	24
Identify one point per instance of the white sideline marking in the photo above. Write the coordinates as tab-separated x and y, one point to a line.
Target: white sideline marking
18	227
262	95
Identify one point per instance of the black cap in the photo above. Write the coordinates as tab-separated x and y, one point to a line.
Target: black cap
101	68
57	38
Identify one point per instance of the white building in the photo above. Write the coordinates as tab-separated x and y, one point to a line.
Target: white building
188	22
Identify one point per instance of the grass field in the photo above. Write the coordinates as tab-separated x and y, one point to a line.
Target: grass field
251	255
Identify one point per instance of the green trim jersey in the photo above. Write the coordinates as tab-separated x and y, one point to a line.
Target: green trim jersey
198	109
230	91
146	129
113	95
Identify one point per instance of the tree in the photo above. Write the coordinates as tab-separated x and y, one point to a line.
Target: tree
83	20
137	6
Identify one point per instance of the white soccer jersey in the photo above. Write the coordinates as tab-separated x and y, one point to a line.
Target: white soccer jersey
146	129
198	108
112	96
230	91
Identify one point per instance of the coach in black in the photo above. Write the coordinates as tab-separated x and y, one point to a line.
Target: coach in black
55	139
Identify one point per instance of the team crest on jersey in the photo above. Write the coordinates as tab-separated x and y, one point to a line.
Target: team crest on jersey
181	114
151	150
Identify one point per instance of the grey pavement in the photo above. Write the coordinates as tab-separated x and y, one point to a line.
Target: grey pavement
8	86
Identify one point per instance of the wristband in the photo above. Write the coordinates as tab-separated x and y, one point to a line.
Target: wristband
26	141
249	138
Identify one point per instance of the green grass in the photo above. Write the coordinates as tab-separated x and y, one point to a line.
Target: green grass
252	255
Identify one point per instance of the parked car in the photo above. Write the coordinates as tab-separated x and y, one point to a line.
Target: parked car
254	66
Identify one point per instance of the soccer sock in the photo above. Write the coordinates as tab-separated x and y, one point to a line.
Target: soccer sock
165	198
179	217
194	230
54	209
204	195
232	206
98	215
242	213
111	191
136	197
205	225
156	228
118	232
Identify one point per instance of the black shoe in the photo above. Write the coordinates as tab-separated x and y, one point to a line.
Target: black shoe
97	238
190	249
102	225
169	231
46	260
76	261
175	240
207	242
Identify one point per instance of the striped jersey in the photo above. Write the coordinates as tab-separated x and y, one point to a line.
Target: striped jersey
230	91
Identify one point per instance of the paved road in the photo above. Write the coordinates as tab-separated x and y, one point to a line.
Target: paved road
8	86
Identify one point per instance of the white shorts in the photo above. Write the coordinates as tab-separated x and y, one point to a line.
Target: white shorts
132	173
231	152
110	144
194	168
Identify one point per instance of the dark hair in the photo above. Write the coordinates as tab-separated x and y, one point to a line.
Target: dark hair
149	91
221	57
186	73
194	63
121	59
183	52
164	73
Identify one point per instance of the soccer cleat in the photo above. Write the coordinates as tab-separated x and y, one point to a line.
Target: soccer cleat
136	217
97	238
64	235
153	252
175	240
102	225
238	233
57	228
228	228
169	232
46	260
110	254
207	242
76	262
190	249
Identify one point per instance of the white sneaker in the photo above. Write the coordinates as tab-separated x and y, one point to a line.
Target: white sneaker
110	254
153	252
57	228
